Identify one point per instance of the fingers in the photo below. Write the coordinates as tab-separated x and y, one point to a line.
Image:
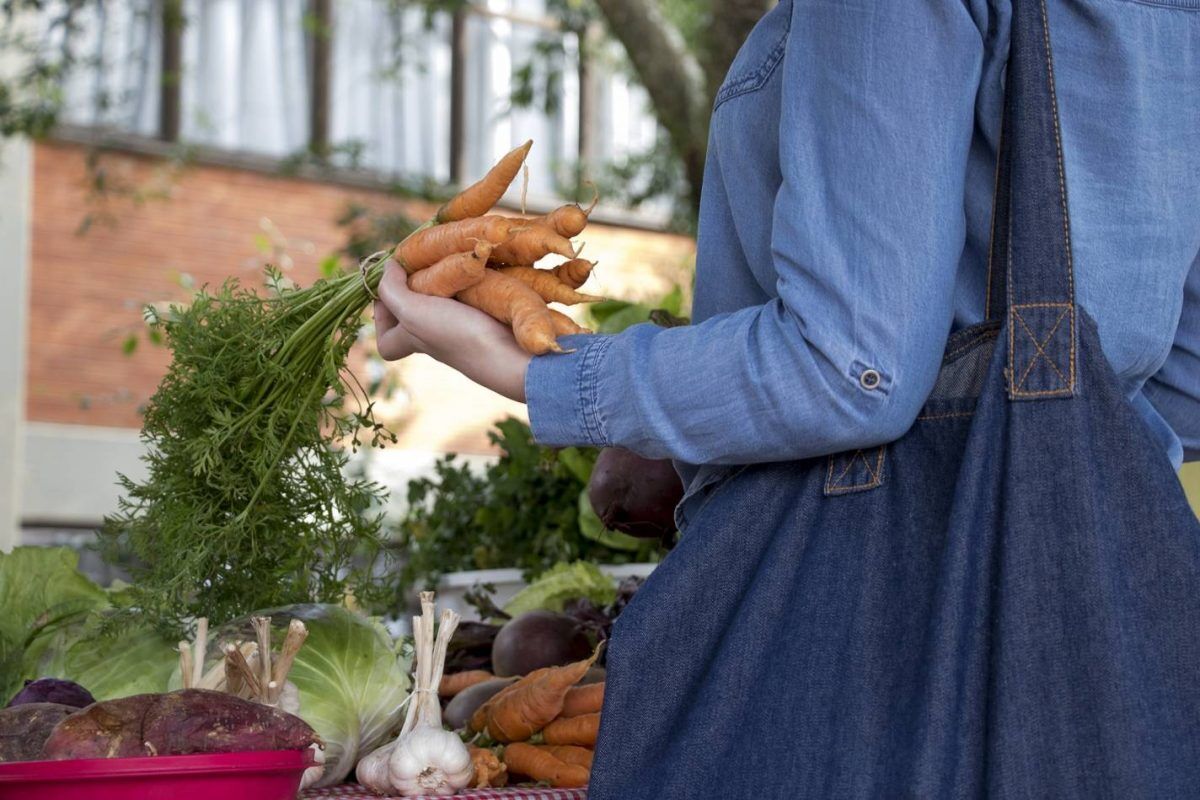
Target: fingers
385	320
393	290
396	343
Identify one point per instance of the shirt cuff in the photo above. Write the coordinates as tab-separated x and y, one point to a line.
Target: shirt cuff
562	393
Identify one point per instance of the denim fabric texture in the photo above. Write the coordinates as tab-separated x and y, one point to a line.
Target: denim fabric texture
845	222
1004	602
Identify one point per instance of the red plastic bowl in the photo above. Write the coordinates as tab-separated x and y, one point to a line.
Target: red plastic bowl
260	775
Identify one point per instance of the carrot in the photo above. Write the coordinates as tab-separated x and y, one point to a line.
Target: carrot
574	273
564	325
529	242
527	709
480	717
571	754
455	682
489	772
580	730
547	284
429	246
453	273
514	303
568	220
586	699
539	765
478	198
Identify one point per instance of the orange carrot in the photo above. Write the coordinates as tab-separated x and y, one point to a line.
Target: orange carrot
529	242
568	220
581	730
548	286
429	246
586	699
539	765
527	709
480	717
564	325
489	772
570	753
574	273
514	303
455	682
453	273
479	197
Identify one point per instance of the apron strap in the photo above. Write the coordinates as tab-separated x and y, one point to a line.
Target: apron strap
1031	279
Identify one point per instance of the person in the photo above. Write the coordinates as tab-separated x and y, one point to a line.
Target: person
845	228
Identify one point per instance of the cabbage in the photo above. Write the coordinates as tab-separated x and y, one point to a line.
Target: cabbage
353	680
108	663
561	583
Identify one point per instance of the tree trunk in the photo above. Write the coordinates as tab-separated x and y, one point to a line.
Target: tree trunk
682	86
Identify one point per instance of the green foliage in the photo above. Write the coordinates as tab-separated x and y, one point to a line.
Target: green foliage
368	232
614	316
521	512
246	504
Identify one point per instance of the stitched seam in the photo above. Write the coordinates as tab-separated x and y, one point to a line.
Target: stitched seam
590	381
1062	180
959	350
876	474
756	79
987	301
1067	390
849	464
947	416
1041	352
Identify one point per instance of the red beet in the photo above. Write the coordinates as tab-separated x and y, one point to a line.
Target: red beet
635	495
538	639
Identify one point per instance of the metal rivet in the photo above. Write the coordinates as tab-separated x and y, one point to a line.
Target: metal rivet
869	379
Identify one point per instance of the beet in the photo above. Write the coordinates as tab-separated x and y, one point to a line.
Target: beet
176	723
24	728
635	495
538	639
53	690
460	708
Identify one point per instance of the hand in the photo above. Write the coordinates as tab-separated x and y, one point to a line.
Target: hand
454	333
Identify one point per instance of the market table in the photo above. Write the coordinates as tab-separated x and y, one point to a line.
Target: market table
353	790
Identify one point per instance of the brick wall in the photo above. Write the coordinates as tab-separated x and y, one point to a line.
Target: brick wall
87	289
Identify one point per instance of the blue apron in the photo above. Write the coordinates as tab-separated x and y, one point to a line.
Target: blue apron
1004	602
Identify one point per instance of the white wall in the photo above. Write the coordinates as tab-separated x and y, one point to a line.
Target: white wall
16	157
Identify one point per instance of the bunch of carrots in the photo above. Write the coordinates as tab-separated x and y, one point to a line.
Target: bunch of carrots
544	726
490	261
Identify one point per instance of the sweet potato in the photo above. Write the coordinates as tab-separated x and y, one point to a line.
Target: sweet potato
24	728
112	729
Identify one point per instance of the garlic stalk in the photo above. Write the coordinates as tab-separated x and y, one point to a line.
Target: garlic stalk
428	759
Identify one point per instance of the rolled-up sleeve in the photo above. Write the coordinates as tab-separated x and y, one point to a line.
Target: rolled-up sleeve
867	233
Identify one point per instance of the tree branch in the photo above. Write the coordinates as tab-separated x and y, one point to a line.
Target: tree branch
672	77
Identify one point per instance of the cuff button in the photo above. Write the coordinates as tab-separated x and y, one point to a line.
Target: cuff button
869	379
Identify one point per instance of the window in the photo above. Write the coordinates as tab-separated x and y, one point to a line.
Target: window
412	94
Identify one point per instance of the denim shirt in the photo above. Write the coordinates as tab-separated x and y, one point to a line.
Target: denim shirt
844	227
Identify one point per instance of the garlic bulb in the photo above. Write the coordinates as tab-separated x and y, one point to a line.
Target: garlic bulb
314	773
430	761
427	759
372	770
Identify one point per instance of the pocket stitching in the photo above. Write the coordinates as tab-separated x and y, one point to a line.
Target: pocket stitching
752	81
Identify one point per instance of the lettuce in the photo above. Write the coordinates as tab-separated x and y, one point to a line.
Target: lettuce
561	583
